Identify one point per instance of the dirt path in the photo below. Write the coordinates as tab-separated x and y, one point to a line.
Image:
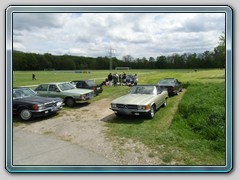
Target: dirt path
85	126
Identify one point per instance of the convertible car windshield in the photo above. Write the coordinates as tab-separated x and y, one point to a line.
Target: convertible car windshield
20	93
143	90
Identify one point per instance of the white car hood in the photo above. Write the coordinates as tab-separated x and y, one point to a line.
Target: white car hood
136	99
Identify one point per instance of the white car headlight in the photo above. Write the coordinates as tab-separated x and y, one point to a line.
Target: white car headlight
41	107
59	104
113	105
82	96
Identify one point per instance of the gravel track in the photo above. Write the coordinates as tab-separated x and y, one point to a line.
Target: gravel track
85	126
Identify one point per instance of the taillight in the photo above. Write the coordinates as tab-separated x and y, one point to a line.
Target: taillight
94	88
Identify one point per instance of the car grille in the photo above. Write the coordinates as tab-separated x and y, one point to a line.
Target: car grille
125	106
50	105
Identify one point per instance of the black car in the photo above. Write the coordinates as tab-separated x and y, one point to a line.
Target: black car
172	85
88	84
130	79
28	105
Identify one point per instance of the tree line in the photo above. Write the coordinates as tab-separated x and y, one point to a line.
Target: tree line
23	61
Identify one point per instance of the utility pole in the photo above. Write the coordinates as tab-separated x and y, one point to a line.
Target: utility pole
110	56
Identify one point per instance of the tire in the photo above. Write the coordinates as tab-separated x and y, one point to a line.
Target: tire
151	113
70	102
165	103
24	114
118	114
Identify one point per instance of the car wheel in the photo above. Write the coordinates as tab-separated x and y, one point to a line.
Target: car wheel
118	114
165	103
70	102
151	113
25	114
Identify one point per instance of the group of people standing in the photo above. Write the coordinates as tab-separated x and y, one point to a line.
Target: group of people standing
118	79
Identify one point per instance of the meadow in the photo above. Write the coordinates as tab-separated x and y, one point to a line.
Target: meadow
189	131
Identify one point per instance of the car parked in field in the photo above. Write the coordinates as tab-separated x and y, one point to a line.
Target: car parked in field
172	85
130	79
142	99
65	90
88	84
28	105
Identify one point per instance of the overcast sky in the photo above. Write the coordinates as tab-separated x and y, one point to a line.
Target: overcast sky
137	34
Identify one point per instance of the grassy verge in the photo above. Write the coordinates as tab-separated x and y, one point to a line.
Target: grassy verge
189	131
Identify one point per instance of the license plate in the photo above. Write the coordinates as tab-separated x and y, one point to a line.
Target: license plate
54	108
126	111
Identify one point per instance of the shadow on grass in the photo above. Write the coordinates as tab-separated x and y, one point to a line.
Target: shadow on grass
124	119
185	85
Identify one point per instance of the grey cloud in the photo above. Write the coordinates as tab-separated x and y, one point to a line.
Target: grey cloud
28	21
17	33
82	39
137	34
17	36
203	22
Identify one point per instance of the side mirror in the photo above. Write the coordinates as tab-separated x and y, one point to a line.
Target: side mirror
57	90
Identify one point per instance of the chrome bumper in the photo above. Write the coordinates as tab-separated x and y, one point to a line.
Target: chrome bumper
129	111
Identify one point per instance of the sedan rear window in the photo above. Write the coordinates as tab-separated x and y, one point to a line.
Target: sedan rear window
42	87
66	86
91	83
167	81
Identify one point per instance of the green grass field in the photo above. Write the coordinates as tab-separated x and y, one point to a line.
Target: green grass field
189	131
24	78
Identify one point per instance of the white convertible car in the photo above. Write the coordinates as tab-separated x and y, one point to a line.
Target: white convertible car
142	99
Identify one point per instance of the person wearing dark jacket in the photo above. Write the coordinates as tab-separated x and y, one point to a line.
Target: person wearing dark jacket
115	80
135	80
120	79
110	78
124	76
33	77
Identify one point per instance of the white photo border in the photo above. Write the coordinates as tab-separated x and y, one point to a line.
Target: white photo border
115	9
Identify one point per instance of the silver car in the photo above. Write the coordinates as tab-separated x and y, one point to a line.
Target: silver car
65	90
142	99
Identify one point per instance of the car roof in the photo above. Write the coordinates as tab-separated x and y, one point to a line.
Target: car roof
21	87
82	80
54	83
169	78
146	85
